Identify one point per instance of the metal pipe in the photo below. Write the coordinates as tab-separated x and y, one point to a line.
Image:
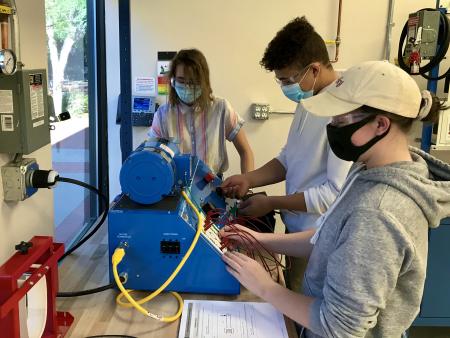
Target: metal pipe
337	41
390	24
4	27
15	35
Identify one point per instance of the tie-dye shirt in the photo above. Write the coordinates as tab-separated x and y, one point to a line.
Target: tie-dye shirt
200	133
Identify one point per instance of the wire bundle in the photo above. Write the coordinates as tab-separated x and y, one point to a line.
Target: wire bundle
250	245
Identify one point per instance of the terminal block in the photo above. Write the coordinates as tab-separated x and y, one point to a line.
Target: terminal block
170	247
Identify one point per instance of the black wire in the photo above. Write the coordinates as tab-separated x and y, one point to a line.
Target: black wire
85	238
439	55
102	220
440	77
85	292
69	294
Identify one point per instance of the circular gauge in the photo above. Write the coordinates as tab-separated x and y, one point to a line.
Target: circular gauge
8	61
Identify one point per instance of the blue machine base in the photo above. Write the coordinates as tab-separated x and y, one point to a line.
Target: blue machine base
158	236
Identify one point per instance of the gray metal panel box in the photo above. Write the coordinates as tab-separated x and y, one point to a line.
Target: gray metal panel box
430	32
24	122
429	21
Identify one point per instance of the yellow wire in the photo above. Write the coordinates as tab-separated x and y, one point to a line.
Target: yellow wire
118	255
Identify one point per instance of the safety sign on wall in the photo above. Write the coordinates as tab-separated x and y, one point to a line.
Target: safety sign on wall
163	66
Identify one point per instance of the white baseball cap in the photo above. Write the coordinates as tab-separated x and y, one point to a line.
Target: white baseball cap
378	84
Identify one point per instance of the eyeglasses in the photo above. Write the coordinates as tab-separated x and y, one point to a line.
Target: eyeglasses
180	81
350	118
287	81
293	79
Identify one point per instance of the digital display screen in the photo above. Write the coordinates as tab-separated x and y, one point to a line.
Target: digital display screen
141	104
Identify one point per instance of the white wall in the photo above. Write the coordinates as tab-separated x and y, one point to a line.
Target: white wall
22	220
233	35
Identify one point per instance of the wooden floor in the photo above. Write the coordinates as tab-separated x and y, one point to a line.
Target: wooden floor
98	314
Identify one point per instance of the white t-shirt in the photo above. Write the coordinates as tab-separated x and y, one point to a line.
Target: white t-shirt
312	168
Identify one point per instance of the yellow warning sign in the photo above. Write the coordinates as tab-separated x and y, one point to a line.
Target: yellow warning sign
6	10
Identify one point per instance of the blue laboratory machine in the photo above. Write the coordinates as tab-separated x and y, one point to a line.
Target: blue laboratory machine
157	225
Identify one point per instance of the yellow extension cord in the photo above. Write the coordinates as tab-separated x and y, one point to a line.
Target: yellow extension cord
117	257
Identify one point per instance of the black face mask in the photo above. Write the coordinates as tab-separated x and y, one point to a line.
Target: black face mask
340	140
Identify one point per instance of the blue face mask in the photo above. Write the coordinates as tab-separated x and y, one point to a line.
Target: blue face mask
187	94
295	93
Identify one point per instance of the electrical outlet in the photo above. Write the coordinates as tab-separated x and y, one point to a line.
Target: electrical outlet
15	178
260	111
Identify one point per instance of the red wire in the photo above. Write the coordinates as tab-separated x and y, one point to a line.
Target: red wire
252	247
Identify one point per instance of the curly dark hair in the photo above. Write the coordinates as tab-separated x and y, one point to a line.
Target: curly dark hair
297	44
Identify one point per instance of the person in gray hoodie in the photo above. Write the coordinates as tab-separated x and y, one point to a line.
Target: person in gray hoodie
368	257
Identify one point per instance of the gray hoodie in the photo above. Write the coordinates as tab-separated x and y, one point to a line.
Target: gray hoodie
367	268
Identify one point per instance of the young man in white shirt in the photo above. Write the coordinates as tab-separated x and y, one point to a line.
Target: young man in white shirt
313	174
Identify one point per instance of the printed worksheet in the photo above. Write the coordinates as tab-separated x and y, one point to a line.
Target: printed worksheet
221	319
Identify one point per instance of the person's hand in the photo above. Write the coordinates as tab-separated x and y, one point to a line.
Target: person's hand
239	236
235	186
256	206
248	272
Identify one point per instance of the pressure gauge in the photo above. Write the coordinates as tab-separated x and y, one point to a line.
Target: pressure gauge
8	61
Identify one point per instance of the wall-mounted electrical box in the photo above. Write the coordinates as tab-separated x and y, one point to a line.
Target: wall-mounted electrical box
260	111
24	121
423	31
16	177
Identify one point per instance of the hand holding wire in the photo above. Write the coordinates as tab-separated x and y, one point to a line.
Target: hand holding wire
257	205
235	186
235	235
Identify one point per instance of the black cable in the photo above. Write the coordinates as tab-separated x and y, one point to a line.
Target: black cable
69	294
440	77
102	220
440	54
85	292
85	238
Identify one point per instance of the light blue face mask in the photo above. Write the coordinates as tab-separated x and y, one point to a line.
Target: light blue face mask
295	93
187	94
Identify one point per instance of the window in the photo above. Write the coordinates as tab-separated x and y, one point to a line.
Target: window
71	73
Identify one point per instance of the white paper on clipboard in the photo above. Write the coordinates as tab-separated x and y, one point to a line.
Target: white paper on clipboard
222	319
